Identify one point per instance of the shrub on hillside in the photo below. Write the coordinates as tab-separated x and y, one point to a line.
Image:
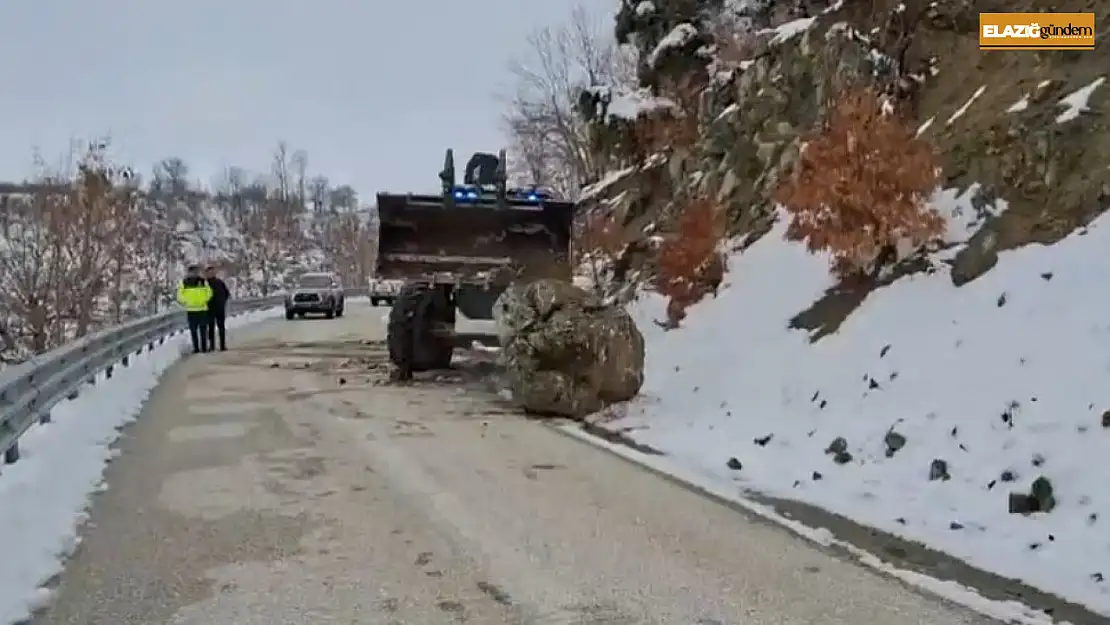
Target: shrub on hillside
859	190
691	263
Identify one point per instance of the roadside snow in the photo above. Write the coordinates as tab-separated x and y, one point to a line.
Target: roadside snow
46	493
1001	379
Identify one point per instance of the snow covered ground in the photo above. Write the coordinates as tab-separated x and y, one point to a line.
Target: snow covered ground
46	493
981	389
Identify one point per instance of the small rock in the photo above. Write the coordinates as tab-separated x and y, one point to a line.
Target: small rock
838	445
817	476
342	381
1038	460
894	442
842	457
1040	498
884	350
1046	276
1008	476
1106	419
955	526
1001	300
763	440
1097	577
274	365
734	464
1021	503
1042	492
938	470
872	384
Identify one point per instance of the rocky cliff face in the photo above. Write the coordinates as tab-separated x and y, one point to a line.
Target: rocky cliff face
1021	127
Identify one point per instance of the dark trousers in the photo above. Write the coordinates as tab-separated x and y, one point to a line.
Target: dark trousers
217	319
198	330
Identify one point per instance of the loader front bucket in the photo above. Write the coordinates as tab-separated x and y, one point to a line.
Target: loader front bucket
422	237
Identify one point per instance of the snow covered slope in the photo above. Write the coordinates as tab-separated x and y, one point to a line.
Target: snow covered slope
941	402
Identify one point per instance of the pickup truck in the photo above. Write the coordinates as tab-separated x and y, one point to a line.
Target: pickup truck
315	293
384	291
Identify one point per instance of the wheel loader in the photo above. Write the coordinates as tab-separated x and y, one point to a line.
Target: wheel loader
457	251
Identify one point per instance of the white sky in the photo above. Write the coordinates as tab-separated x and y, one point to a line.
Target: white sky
374	90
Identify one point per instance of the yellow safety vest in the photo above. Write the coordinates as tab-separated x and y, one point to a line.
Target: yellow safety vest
194	298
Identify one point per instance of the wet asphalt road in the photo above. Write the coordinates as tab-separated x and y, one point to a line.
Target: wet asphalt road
284	483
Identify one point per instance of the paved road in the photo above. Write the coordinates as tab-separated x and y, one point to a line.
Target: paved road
284	483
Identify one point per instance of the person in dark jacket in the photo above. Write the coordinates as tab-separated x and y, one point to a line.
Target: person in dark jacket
194	295
217	308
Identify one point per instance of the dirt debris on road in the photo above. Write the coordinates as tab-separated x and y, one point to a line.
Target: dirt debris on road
255	494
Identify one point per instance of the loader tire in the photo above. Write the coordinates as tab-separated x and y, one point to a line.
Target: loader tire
413	345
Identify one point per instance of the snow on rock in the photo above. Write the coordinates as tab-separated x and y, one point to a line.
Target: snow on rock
1076	102
596	189
632	104
628	104
1020	105
679	36
46	494
787	31
925	126
966	105
923	415
963	215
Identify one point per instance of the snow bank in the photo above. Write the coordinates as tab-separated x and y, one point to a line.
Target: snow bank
46	493
1004	380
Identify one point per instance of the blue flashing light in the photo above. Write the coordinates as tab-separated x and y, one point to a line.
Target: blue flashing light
532	197
472	195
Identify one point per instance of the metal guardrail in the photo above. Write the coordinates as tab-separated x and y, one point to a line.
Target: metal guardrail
29	390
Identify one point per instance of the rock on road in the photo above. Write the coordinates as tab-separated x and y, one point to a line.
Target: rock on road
282	483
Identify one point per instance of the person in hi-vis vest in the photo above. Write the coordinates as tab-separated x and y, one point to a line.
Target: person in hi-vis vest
194	295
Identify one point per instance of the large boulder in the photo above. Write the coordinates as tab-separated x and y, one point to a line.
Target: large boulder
566	353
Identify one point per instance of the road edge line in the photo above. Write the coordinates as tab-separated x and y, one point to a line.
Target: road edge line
1009	612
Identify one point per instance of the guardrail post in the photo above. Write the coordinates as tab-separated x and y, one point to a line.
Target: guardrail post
11	456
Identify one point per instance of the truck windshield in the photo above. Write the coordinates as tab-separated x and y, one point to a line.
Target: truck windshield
314	282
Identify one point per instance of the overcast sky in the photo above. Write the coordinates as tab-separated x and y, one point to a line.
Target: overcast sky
374	90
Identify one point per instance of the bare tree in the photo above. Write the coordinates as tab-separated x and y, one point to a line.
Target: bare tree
346	239
318	189
343	199
548	139
31	266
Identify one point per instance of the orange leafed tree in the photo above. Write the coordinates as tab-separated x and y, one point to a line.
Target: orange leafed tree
691	264
860	187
